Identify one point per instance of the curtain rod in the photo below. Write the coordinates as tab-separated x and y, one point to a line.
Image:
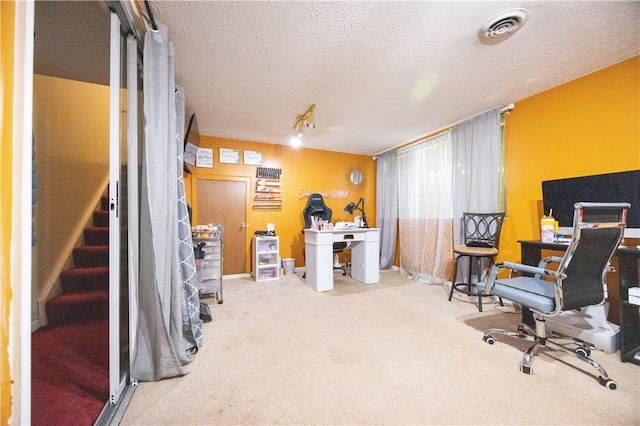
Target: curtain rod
150	15
132	20
504	110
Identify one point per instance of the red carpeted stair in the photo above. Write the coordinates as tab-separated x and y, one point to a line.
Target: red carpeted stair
70	356
85	287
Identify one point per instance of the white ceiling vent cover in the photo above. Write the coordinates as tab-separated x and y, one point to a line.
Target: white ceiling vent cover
502	26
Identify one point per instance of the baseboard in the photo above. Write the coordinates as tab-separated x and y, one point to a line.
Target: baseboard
42	312
35	324
232	276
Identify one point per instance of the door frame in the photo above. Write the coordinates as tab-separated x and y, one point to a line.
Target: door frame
20	263
122	48
115	387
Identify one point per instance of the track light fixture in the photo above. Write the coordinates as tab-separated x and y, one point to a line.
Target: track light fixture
308	119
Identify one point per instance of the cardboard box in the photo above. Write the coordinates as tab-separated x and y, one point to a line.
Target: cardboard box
591	325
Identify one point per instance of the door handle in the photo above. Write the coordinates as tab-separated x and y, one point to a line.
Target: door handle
244	225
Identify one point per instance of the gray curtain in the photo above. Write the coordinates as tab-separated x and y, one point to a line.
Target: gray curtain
191	322
477	162
387	205
162	346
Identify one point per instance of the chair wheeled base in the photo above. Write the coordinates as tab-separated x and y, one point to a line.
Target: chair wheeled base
581	350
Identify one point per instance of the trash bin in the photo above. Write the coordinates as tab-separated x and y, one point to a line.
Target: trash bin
289	265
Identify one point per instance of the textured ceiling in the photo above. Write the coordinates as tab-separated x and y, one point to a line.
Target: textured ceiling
381	73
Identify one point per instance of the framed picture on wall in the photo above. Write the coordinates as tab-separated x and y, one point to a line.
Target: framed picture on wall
204	157
229	156
253	158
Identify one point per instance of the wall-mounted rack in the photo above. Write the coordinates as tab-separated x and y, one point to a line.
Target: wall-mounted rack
268	192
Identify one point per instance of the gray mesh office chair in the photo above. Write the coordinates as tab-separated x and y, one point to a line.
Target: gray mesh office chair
578	281
481	240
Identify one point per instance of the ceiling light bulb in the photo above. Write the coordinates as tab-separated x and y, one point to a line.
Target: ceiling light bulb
299	131
295	141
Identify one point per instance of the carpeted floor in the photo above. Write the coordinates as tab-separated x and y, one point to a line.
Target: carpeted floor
70	356
70	373
396	352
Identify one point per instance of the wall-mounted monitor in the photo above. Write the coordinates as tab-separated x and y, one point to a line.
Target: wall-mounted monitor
561	194
191	144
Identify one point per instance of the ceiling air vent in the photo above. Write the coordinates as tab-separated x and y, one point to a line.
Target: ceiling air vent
502	26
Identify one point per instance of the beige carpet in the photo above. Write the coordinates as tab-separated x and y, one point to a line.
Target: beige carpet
396	352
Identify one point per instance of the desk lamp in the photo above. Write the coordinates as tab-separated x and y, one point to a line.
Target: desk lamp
351	207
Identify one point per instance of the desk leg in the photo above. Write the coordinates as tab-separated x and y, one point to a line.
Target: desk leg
629	314
365	263
319	266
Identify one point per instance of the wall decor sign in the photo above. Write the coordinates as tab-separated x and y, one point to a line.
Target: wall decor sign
229	156
190	153
334	193
253	158
204	157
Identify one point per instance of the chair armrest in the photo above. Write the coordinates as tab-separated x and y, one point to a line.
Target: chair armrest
525	268
549	259
534	270
492	277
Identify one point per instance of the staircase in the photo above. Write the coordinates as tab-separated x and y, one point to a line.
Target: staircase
70	356
85	287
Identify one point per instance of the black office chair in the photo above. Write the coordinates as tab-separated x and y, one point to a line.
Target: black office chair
316	207
481	240
578	282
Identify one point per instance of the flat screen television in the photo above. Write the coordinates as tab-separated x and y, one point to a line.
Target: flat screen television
561	194
191	144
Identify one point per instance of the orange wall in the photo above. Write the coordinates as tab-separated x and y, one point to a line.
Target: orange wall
303	170
7	16
587	126
72	165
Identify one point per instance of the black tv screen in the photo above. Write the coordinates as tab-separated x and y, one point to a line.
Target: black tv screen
191	143
561	194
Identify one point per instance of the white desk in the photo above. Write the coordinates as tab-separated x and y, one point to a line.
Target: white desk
365	255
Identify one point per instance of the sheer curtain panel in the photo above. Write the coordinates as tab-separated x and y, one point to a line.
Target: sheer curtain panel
162	346
477	159
387	205
425	210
